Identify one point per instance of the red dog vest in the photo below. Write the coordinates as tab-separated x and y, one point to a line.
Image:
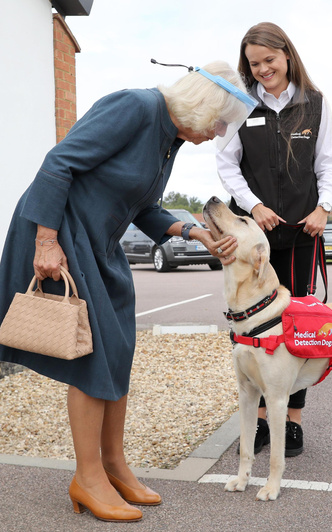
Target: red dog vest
307	331
307	325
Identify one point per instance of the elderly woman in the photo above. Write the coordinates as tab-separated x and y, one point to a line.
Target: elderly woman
110	170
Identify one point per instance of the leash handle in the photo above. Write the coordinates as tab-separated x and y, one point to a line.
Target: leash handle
318	257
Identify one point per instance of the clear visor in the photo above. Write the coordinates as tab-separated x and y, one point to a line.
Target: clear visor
227	126
238	107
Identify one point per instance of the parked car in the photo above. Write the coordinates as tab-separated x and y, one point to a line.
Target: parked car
139	248
328	240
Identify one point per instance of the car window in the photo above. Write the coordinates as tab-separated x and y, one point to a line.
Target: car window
328	237
131	227
185	216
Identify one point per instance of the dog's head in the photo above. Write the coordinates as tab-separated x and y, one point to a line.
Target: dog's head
253	247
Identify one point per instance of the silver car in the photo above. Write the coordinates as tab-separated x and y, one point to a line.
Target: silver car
139	248
328	241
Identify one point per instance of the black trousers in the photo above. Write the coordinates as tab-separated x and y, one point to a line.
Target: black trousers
281	262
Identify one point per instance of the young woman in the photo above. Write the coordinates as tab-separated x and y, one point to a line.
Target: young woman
279	168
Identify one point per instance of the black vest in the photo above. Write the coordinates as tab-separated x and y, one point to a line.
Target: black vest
289	188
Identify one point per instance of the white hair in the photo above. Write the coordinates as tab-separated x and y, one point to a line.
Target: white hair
198	103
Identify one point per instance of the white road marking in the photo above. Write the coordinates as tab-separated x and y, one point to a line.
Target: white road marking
256	481
172	305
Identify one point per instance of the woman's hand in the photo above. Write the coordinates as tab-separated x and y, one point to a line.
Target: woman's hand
315	222
266	218
49	255
223	249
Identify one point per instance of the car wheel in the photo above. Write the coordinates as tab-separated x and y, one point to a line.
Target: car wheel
160	261
214	267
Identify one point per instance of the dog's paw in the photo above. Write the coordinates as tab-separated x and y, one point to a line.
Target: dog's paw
269	492
236	484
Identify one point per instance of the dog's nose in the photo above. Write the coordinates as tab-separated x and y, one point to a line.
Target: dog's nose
215	199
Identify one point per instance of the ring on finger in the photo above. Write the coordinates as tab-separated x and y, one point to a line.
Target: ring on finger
273	225
219	250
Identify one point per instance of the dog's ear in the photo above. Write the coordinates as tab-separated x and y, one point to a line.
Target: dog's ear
260	260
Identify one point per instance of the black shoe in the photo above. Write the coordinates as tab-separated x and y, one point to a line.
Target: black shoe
294	439
262	436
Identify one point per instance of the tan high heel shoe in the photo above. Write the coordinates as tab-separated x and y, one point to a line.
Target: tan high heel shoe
81	500
141	496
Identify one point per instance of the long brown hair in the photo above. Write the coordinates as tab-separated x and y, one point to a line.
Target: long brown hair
272	36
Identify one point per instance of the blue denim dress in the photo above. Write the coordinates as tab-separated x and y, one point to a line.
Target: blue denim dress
111	169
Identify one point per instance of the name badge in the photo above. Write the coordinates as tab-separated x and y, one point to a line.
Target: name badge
259	121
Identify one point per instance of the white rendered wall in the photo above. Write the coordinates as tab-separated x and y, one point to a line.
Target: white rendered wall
27	98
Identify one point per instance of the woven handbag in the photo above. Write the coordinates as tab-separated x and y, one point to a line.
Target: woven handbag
48	324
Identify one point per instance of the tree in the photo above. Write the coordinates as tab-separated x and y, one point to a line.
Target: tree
195	204
175	200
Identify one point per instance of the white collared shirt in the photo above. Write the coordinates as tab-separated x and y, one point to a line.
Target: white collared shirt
228	161
276	104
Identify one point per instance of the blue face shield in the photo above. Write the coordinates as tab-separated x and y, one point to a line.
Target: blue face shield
227	125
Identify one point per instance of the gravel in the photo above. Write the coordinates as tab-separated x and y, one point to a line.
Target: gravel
183	387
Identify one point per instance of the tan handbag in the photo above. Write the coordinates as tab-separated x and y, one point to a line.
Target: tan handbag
48	324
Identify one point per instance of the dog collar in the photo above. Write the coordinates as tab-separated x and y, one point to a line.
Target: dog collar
239	316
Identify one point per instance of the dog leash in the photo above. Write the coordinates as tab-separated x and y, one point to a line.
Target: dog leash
318	257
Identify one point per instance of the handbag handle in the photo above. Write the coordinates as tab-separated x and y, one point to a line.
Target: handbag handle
68	280
71	280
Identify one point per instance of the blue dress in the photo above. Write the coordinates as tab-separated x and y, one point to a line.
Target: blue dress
111	169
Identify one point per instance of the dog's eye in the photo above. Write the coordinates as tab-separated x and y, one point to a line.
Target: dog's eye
243	220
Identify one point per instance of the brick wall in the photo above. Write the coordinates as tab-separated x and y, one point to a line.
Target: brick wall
65	48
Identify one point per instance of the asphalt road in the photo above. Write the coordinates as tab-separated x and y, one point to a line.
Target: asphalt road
187	295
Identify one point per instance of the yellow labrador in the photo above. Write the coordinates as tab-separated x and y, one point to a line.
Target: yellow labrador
249	280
